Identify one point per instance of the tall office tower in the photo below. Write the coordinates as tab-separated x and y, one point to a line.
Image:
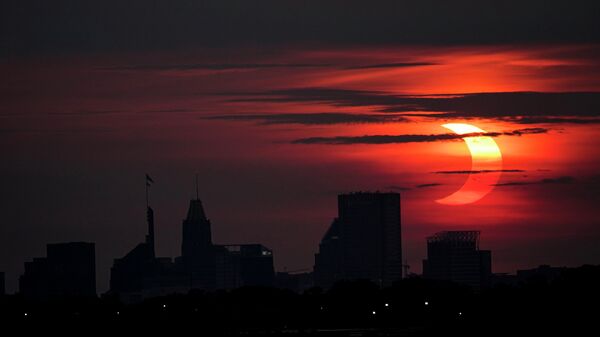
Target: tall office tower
455	256
196	231
363	242
197	250
69	270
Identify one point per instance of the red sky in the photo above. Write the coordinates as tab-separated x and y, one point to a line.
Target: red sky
79	131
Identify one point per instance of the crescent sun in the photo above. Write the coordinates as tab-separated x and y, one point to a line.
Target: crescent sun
485	156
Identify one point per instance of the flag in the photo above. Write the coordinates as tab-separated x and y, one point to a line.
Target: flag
148	180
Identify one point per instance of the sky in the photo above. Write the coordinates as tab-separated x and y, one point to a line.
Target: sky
279	106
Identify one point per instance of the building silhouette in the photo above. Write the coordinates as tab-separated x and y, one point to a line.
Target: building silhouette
455	256
294	280
363	242
69	270
541	274
202	265
197	250
2	284
140	273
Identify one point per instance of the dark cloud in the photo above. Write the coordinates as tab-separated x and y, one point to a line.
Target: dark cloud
519	132
333	96
258	66
552	120
428	185
519	107
377	139
392	139
391	65
313	118
86	112
55	131
215	66
118	112
478	171
558	180
113	25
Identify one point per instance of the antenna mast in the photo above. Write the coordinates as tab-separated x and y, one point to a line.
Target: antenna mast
197	197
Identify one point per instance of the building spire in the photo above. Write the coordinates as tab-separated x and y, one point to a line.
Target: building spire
197	197
149	216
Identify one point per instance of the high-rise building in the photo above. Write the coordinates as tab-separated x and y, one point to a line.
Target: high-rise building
197	250
455	256
363	242
69	270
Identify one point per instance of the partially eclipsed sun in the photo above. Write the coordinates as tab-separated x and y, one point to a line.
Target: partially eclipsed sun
485	156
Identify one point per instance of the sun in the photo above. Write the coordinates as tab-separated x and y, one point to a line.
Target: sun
486	166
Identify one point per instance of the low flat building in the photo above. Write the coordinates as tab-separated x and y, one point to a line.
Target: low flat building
69	270
455	256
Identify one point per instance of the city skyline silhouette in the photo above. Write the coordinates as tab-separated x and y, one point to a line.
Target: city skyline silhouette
270	165
141	275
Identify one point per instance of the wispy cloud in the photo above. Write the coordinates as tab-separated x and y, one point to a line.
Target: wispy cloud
214	66
313	118
478	171
551	120
428	185
393	139
256	66
391	65
518	107
558	180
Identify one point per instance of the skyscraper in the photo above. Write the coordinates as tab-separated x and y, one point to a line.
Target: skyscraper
69	270
196	236
363	242
455	256
197	250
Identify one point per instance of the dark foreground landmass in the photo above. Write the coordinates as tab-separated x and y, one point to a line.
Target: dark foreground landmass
412	307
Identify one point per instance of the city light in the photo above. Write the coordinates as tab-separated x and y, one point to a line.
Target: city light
25	314
426	303
387	304
374	312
